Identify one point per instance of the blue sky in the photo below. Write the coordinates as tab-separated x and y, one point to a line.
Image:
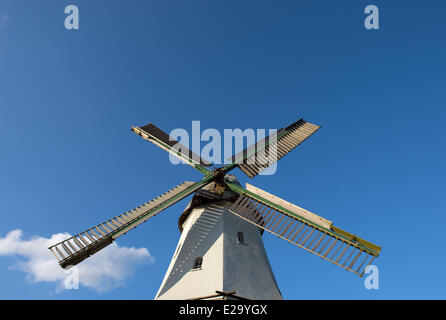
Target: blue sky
376	168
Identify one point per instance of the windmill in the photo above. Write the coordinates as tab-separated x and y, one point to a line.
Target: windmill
220	253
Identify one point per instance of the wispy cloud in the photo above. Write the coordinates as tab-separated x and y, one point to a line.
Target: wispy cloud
5	20
103	271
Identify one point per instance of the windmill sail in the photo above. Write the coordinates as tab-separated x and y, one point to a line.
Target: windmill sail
304	229
264	153
152	133
79	247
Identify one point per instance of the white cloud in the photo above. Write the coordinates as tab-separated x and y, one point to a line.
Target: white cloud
103	271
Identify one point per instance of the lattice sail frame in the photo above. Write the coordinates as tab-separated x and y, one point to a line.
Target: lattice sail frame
304	229
153	134
266	152
73	250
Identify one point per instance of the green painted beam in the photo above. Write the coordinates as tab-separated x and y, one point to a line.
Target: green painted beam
333	231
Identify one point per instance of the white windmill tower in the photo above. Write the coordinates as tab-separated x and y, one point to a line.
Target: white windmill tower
220	253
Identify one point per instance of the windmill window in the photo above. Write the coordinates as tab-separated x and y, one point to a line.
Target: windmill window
198	262
241	237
